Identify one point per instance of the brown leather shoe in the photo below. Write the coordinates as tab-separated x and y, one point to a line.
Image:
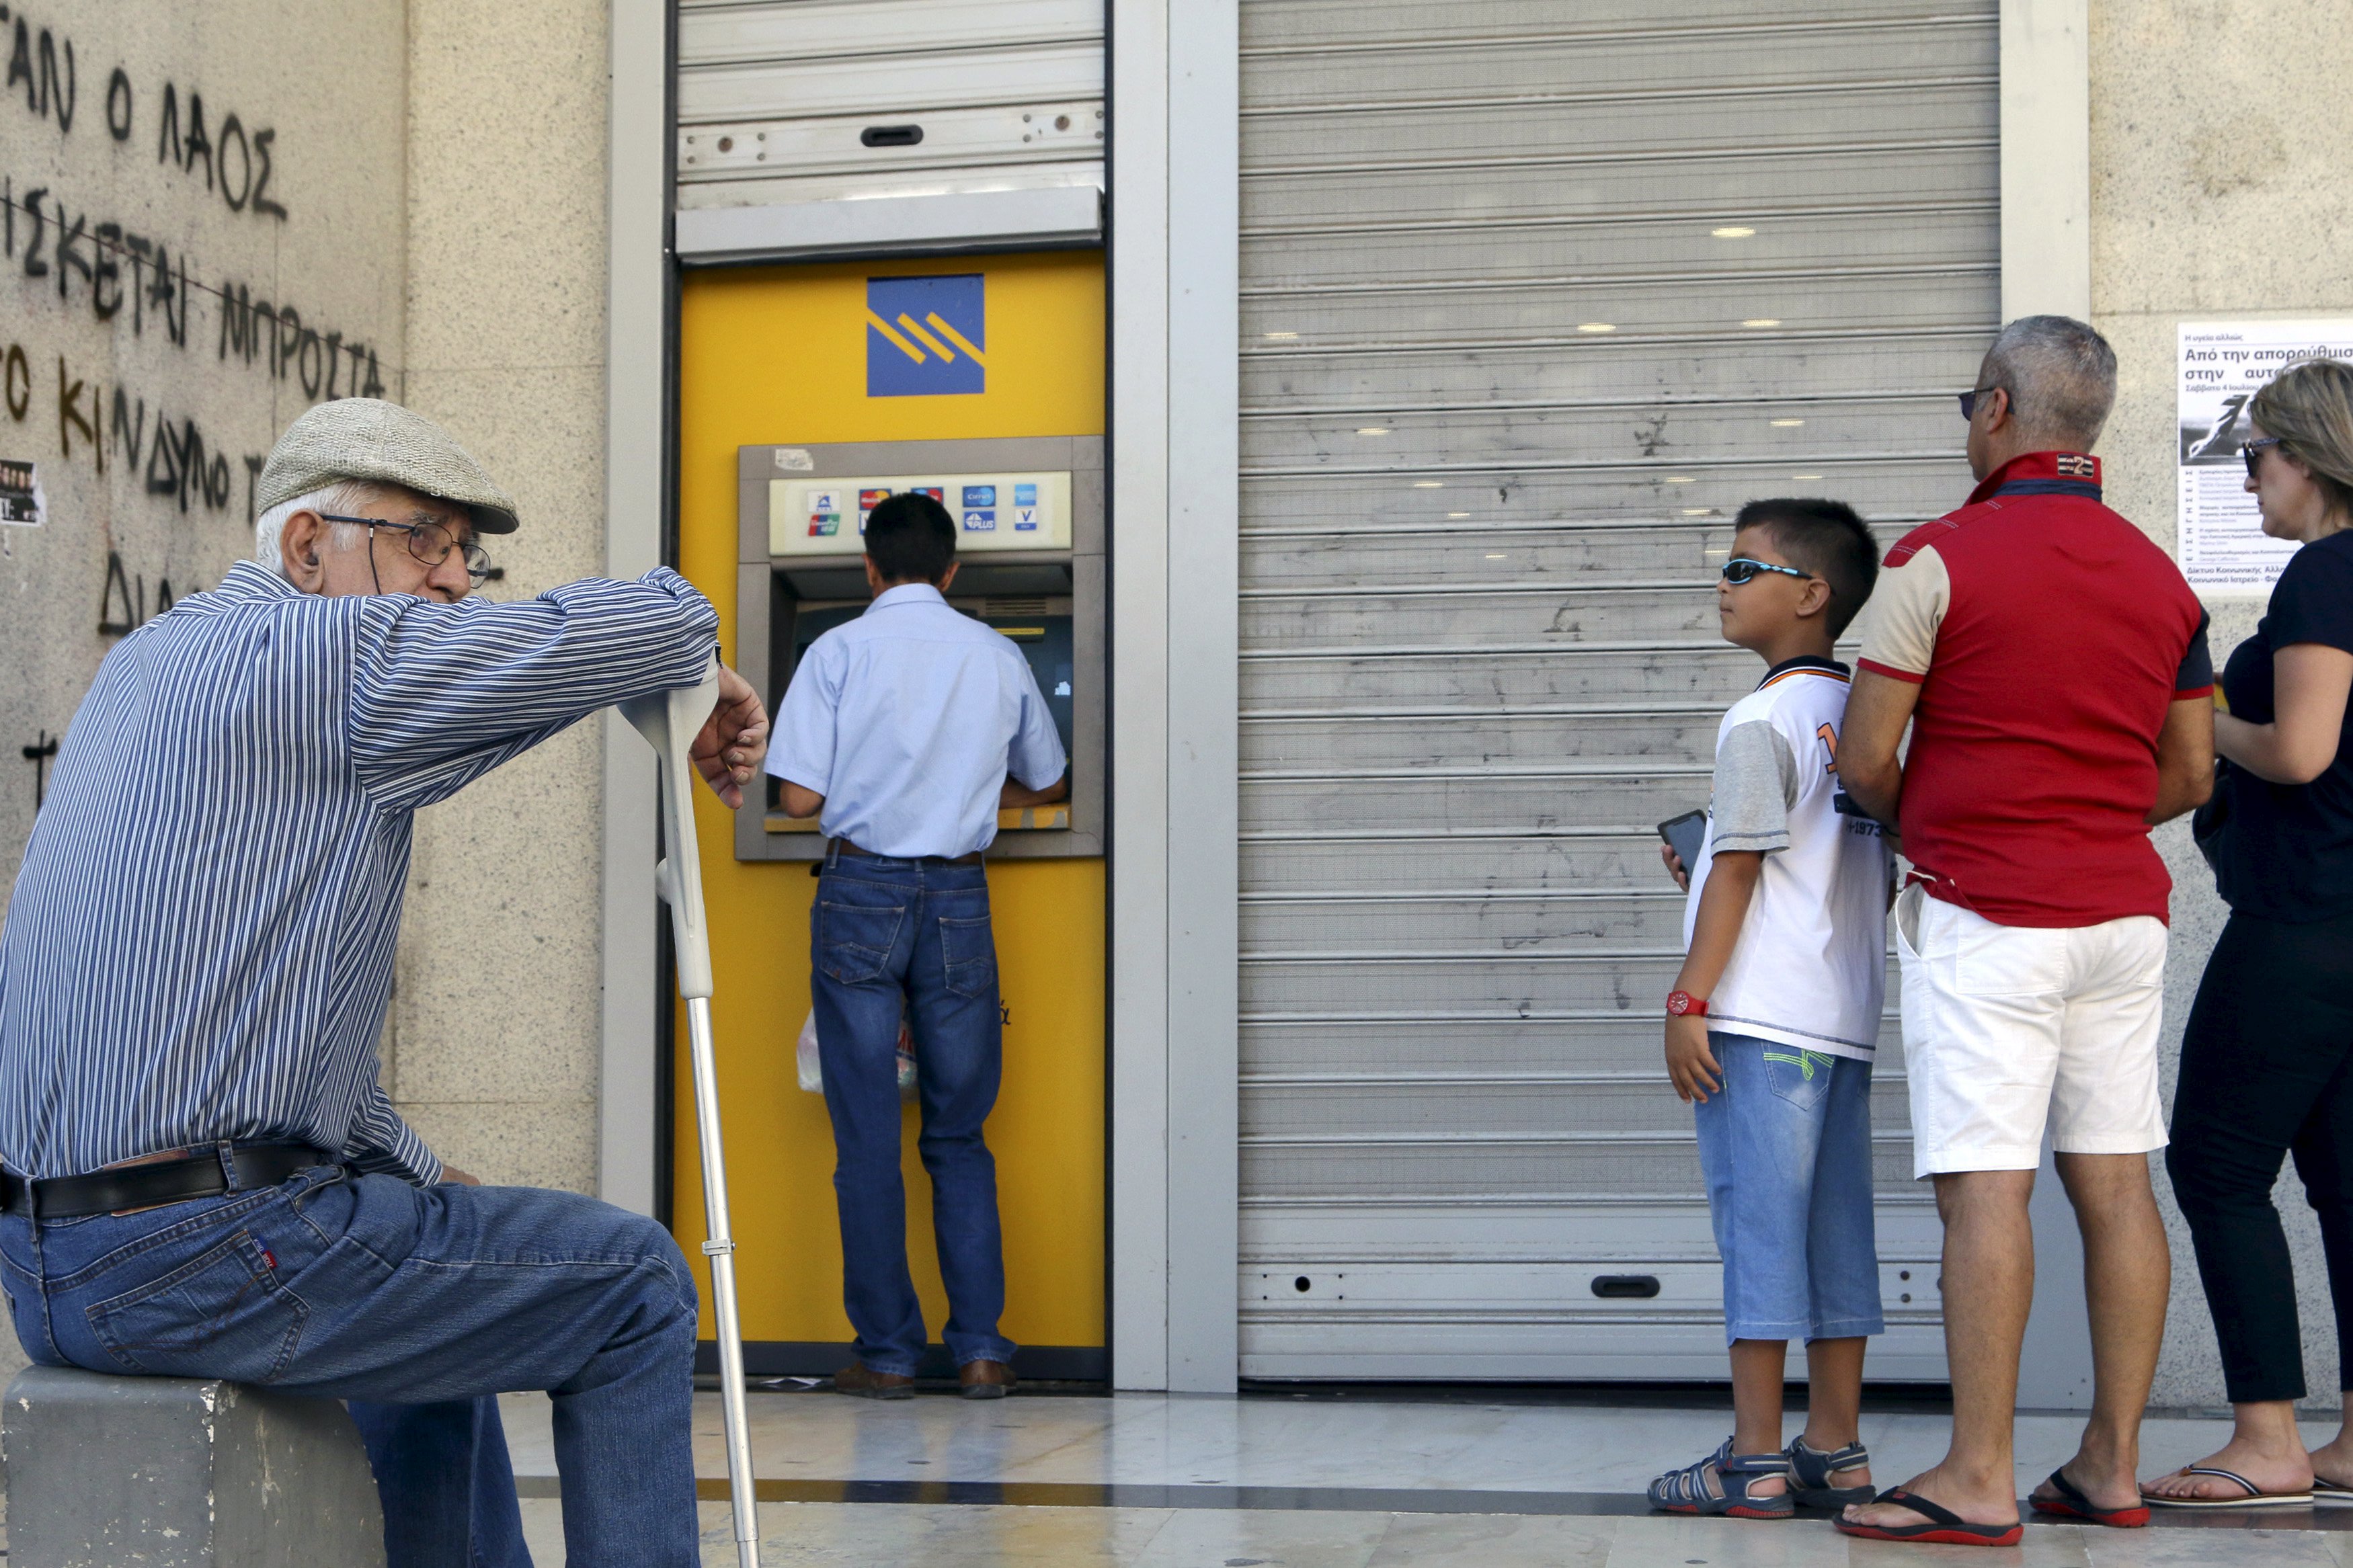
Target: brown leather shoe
985	1378
863	1381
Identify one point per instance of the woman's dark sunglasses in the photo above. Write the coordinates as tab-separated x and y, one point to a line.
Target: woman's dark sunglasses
2252	452
1741	569
428	542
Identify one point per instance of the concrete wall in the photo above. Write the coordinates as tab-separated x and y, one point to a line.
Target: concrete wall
494	1031
147	410
2217	190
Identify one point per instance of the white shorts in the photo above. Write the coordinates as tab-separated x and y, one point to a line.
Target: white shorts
2005	1026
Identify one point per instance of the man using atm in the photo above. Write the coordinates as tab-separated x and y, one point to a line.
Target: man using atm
904	732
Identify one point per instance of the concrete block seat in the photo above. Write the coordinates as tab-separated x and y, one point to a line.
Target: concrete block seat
178	1472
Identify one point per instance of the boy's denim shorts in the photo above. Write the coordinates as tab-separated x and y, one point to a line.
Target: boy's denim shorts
1786	1148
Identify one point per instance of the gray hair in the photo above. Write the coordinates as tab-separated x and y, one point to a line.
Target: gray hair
344	496
2060	376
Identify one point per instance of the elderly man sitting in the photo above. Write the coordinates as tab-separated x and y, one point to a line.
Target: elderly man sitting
203	1177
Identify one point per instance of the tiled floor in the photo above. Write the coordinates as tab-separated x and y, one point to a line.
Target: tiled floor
1373	1482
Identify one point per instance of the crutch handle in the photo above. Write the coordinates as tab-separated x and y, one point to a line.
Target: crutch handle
669	721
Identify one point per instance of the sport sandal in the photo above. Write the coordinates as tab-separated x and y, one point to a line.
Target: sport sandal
1810	1470
1686	1490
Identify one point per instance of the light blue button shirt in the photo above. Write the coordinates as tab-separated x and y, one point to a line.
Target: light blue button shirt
907	720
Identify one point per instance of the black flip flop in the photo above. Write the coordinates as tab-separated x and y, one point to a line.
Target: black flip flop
1945	1528
2071	1503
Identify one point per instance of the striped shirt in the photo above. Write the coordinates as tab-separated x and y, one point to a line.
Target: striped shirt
200	941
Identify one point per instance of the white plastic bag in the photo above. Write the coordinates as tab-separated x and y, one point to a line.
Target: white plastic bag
813	1077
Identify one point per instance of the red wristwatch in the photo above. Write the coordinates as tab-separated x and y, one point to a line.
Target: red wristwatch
1684	1004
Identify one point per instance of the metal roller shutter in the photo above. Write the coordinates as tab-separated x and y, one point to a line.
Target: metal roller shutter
818	107
1534	296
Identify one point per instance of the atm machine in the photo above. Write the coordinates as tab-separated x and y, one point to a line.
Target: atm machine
1029	540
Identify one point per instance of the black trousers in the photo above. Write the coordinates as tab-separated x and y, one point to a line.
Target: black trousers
2267	1070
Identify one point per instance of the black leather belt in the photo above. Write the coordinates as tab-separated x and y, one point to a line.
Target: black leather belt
156	1181
847	848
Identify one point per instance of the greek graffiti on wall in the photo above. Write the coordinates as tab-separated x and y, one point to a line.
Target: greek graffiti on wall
196	244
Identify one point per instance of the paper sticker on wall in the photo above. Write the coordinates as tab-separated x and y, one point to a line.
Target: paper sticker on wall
925	336
21	501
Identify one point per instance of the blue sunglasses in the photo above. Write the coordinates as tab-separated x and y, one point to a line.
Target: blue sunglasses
1741	569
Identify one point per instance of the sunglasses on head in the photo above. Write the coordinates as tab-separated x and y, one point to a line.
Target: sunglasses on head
2252	452
1741	569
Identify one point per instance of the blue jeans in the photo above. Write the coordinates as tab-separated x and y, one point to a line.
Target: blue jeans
1786	1148
889	936
416	1303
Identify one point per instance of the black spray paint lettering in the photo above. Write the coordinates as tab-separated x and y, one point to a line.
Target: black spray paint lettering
47	91
182	150
180	463
118	105
96	255
123	602
18	379
38	754
176	466
248	326
70	417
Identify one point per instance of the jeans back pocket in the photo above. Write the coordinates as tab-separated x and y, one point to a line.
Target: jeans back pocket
221	1314
856	929
969	949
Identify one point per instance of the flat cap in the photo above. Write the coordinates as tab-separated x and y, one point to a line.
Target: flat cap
368	438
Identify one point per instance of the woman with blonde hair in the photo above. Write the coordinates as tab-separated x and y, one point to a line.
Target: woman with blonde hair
2267	1063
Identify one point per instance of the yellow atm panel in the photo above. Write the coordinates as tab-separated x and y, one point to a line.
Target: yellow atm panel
780	356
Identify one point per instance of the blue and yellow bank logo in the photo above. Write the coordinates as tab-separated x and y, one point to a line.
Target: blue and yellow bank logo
925	336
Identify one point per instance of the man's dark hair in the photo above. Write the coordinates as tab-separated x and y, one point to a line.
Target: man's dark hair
1825	537
910	538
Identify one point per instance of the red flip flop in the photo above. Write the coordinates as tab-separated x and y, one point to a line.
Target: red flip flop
1945	1528
2072	1503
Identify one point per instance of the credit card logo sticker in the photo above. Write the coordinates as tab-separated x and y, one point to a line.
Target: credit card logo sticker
1025	495
825	500
1025	519
926	337
980	520
824	525
980	495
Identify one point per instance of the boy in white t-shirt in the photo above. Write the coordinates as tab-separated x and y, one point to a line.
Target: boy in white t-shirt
1773	1019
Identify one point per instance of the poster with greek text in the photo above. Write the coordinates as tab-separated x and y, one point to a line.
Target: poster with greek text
2218	368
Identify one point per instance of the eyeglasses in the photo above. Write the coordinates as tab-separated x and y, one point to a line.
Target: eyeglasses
428	542
1969	399
2252	452
1741	569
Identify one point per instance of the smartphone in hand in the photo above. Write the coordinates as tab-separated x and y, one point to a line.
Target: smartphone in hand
1686	836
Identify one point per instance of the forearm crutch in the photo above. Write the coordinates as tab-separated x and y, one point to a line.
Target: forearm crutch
670	721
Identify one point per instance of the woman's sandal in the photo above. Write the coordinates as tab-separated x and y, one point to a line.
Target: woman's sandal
2072	1503
2256	1497
1686	1490
1944	1527
1810	1470
2326	1493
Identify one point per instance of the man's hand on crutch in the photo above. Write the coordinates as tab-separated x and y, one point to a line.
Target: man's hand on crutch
734	741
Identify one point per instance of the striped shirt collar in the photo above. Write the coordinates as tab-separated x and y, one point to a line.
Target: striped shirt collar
1805	663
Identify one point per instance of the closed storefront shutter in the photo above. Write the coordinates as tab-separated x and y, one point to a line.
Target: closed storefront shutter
989	112
1534	296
